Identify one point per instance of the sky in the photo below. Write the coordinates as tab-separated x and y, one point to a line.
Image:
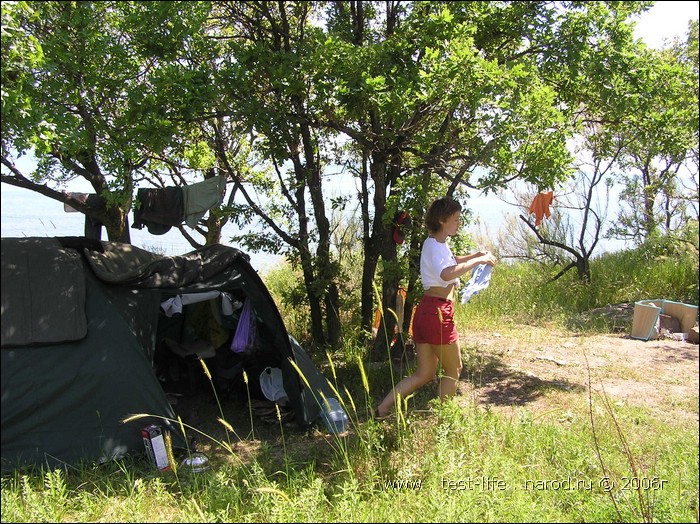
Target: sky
660	24
664	21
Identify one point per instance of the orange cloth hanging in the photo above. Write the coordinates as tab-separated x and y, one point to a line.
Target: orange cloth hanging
540	206
400	301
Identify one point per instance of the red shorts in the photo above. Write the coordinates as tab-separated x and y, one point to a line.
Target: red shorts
433	322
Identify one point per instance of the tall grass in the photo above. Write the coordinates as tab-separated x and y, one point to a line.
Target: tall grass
592	460
452	464
522	294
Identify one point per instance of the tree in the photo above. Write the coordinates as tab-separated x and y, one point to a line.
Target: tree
570	239
661	141
396	89
419	99
90	89
637	125
445	95
267	54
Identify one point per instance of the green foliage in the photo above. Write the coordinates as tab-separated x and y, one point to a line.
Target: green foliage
422	97
286	287
103	91
110	106
523	293
446	94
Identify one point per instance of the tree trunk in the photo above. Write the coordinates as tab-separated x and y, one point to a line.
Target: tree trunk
314	301
306	260
116	223
390	288
413	281
584	270
369	268
371	255
333	327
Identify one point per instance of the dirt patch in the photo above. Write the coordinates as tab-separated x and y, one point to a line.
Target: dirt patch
527	370
521	369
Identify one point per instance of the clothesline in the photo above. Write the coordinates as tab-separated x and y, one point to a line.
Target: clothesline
161	208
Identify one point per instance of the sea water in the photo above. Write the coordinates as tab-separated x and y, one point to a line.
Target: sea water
26	213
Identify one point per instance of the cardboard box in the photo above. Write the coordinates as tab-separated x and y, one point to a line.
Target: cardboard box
646	323
693	336
154	442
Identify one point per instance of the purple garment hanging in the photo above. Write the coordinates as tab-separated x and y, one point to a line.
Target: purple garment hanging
244	337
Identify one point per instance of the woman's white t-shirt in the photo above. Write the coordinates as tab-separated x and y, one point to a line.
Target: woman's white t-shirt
435	257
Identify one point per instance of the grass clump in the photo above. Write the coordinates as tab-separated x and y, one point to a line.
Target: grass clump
522	294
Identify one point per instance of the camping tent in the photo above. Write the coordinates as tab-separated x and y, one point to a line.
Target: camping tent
83	323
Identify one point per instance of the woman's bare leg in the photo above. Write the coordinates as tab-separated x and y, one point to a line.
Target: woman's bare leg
427	363
451	360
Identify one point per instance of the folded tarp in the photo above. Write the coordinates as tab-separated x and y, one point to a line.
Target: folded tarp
125	264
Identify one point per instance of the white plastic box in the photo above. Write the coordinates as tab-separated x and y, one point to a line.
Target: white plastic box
646	324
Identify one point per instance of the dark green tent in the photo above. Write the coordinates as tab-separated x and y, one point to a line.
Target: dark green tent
81	323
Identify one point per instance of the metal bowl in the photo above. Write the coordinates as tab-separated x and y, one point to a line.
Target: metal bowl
196	463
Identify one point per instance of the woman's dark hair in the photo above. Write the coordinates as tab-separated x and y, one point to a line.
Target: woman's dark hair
439	211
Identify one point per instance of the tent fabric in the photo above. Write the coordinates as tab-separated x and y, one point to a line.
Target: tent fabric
65	400
43	293
119	262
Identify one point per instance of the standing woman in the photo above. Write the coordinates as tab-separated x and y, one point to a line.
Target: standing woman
434	331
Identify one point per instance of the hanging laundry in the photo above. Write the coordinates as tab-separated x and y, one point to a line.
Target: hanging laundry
93	227
402	224
540	206
174	305
201	197
81	197
272	385
481	277
245	336
159	209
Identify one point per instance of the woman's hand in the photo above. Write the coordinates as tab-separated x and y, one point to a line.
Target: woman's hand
489	258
